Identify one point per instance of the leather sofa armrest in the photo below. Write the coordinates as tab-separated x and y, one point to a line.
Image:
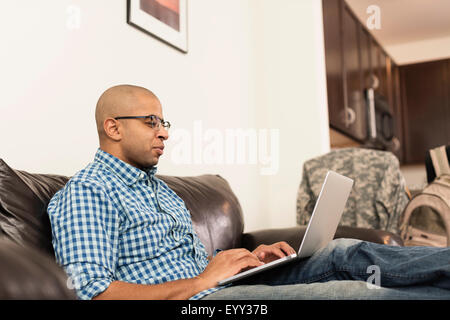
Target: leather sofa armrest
372	235
294	236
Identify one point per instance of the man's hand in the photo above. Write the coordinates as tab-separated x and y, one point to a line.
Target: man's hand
273	252
226	264
230	262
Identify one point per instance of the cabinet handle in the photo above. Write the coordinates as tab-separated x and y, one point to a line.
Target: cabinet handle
375	82
350	116
395	144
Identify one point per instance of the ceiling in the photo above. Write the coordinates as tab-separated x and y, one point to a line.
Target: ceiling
404	21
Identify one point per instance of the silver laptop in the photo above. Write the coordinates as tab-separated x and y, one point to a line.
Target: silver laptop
321	227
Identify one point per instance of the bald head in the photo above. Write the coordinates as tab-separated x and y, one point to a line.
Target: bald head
134	139
121	100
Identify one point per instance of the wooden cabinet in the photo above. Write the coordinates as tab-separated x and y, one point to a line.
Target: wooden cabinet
426	107
364	49
417	96
344	77
354	62
354	111
397	108
333	60
382	67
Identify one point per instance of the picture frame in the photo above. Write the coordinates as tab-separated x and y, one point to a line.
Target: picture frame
166	20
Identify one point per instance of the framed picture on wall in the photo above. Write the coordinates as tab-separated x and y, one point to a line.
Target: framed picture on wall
165	20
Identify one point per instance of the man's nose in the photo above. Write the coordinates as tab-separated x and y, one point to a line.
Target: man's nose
163	133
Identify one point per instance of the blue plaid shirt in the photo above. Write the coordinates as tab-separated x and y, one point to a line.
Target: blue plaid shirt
113	221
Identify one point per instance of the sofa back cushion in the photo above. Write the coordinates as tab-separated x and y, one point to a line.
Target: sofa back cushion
23	206
215	210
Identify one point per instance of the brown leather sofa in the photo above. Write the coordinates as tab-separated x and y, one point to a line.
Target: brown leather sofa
27	266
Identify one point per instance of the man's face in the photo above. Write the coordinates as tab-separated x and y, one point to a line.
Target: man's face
141	144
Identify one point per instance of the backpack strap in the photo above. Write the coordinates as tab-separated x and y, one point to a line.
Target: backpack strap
440	161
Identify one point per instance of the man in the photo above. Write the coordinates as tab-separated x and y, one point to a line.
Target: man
121	233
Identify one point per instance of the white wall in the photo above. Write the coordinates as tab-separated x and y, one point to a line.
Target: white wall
291	89
252	65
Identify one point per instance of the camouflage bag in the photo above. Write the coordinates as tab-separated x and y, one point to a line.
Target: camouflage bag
379	193
426	219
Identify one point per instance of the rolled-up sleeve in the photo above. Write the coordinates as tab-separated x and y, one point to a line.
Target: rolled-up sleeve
85	233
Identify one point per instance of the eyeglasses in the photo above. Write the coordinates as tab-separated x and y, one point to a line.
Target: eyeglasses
155	121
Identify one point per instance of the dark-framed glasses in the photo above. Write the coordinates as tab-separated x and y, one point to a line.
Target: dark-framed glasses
155	122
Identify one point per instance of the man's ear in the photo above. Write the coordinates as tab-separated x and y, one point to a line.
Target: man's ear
112	129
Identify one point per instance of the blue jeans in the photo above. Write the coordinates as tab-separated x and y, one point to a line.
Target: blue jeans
352	269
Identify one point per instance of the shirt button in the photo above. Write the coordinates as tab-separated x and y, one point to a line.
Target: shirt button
152	195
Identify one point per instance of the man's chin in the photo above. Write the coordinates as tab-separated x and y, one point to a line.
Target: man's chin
153	162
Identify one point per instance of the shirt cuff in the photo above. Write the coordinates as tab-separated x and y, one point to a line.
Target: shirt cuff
93	289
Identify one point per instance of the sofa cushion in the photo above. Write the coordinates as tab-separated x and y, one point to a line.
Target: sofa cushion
23	206
215	210
26	273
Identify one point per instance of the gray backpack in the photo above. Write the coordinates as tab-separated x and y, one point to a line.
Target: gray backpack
426	218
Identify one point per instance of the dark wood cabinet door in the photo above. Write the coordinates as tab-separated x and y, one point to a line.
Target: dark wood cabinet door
366	69
382	64
333	60
397	111
425	99
375	62
354	112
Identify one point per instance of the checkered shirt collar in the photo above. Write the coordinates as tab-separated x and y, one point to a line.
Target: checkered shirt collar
126	172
